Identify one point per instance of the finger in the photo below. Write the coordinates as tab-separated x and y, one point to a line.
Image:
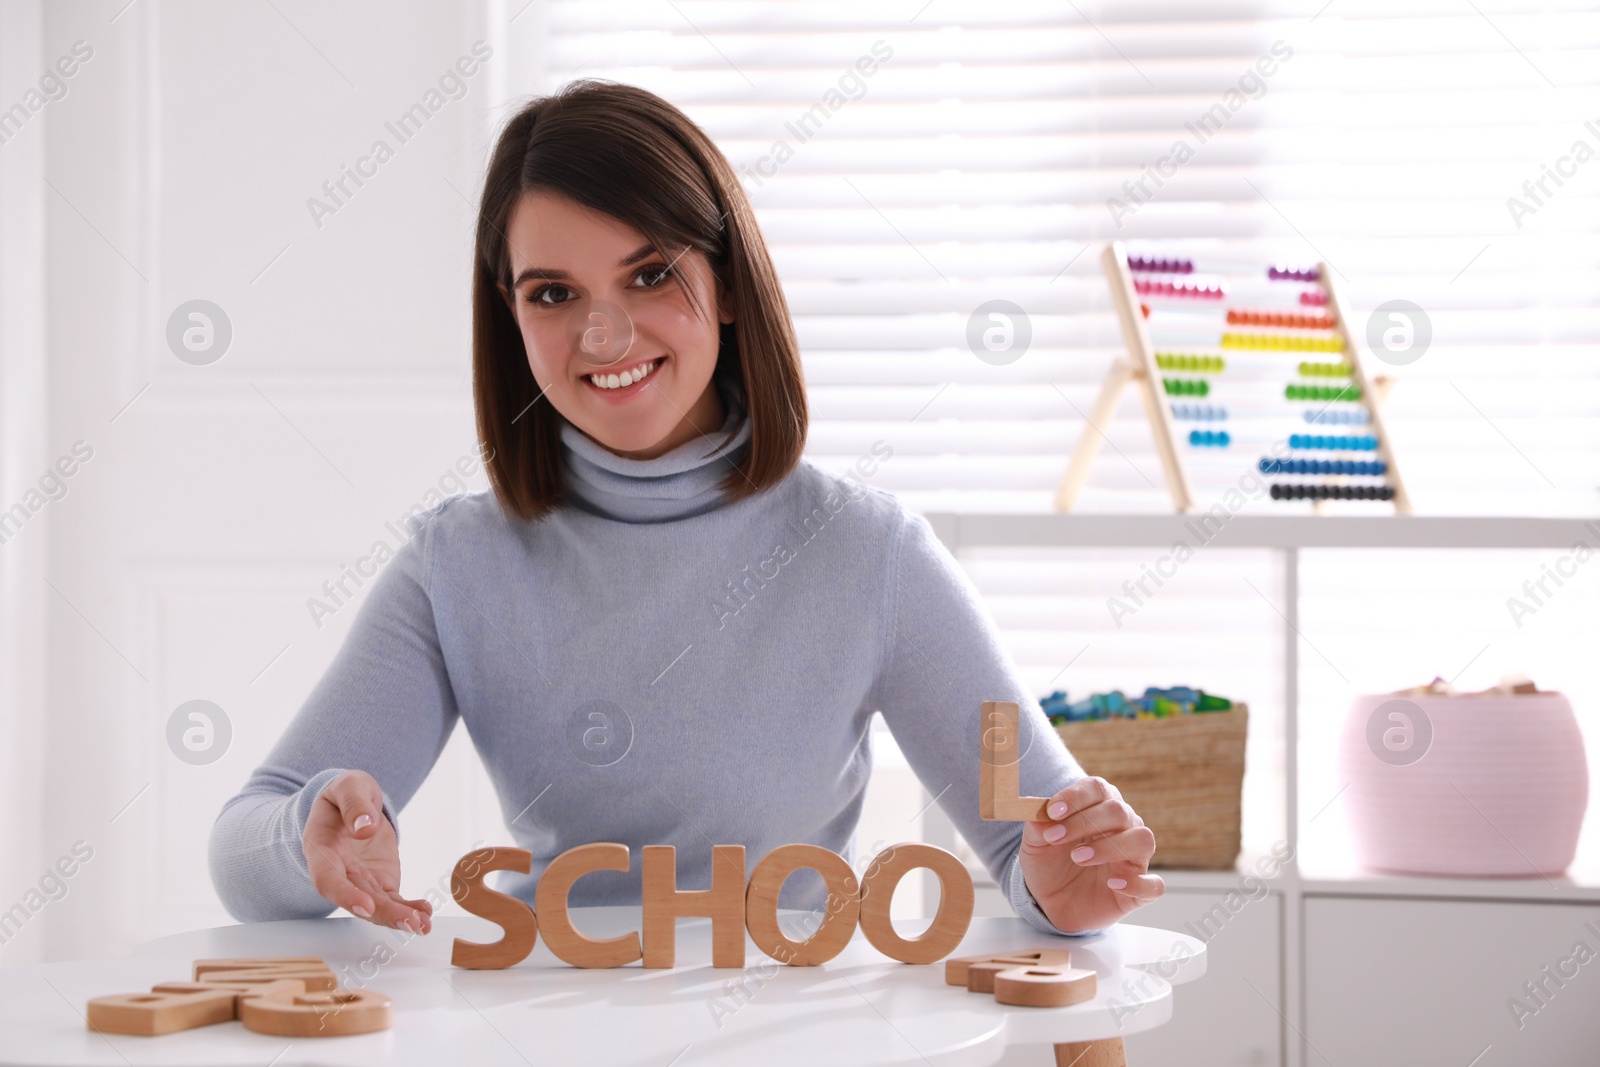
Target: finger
421	904
1134	846
390	910
360	803
1099	820
422	911
1141	888
1084	793
363	879
329	879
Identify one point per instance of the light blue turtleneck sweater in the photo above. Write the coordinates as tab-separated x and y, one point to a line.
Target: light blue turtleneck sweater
655	665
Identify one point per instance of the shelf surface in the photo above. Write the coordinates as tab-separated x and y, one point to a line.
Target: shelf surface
1573	887
1263	531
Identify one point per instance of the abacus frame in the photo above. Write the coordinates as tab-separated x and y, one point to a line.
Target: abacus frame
1137	367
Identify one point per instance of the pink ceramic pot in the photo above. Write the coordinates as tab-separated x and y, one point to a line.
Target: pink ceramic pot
1464	785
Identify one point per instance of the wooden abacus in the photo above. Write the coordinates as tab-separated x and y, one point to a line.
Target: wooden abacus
1229	313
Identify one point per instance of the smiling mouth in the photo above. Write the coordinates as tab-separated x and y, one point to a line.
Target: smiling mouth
611	381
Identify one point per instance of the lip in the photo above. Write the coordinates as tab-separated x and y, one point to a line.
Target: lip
616	396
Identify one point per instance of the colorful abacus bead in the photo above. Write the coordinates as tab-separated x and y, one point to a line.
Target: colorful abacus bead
1186	387
1196	364
1331	442
1355	467
1332	492
1199	413
1184	289
1314	298
1337	416
1322	392
1160	266
1283	319
1325	370
1210	438
1281	273
1282	342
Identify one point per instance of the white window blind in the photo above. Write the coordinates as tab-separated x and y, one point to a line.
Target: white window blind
975	163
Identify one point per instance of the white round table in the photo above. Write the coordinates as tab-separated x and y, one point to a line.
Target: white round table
859	1008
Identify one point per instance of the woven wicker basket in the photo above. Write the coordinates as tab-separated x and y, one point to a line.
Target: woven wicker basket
1182	775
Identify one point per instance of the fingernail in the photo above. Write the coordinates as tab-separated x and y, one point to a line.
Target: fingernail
363	821
1117	883
1058	809
363	912
1082	853
1055	833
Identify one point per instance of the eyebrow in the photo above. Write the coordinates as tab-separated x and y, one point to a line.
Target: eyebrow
551	274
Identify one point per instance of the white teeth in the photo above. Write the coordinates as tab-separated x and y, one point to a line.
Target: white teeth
620	381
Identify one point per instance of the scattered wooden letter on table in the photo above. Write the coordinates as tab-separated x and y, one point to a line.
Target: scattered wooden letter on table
290	996
1030	978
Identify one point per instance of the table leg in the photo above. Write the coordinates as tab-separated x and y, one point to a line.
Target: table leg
1106	1053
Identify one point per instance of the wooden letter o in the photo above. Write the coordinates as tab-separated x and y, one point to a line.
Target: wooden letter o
761	905
949	924
550	904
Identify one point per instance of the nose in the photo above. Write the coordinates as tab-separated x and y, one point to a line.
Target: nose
600	332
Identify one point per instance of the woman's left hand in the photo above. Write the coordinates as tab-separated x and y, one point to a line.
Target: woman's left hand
1089	865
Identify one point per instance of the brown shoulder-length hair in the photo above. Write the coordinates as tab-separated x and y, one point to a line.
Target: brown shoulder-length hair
629	154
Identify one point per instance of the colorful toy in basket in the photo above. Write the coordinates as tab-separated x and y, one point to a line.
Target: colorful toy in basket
1176	755
1155	704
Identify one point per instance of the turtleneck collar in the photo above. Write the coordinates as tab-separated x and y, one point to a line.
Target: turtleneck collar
674	485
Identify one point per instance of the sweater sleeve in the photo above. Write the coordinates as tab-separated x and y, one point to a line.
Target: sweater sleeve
384	706
942	659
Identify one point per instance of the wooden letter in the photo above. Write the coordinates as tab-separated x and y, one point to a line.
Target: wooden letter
761	905
312	972
999	753
331	1014
150	1014
550	905
977	972
466	885
241	991
313	980
949	924
1043	987
259	963
664	903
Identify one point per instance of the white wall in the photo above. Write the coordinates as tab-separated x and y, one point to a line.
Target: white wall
219	497
24	455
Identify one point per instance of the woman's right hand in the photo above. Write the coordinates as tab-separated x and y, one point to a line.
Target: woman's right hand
354	856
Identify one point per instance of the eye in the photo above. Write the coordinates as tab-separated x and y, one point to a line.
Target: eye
537	296
661	270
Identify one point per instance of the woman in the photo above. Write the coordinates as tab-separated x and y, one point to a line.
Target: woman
664	625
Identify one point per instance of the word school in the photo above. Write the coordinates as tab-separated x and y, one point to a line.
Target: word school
733	906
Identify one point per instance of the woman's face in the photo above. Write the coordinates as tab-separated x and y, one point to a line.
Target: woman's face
598	308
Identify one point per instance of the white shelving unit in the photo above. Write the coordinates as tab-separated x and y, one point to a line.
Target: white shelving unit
1305	880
